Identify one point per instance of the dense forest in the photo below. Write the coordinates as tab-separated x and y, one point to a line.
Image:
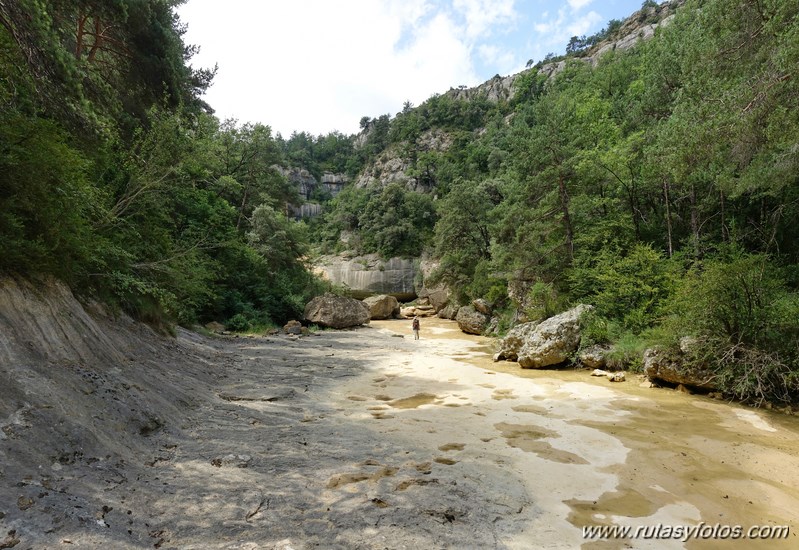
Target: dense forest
659	184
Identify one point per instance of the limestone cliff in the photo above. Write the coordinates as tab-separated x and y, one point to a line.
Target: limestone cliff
308	187
641	25
369	275
392	167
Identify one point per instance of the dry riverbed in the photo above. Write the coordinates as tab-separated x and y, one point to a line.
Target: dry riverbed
369	439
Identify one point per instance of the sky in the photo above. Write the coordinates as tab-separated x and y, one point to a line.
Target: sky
320	65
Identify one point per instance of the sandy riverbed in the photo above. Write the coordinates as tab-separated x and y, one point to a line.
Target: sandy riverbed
591	452
369	439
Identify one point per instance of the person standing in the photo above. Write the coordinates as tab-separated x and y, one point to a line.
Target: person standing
415	327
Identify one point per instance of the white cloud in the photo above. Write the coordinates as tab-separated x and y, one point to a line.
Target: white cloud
554	32
482	15
577	5
317	66
504	61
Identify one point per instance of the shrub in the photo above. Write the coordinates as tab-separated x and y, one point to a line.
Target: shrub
747	324
238	323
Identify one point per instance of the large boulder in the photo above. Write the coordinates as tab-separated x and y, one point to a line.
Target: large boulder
471	321
594	357
512	344
382	306
450	311
437	295
417	311
550	342
482	306
334	311
661	365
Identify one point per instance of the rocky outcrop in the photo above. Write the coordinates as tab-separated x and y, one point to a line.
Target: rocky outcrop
417	311
293	327
301	179
334	183
450	311
497	89
514	341
471	321
482	306
640	26
391	166
307	210
437	295
593	357
334	311
550	342
369	275
307	186
382	306
672	367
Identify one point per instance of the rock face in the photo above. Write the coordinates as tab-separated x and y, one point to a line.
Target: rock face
438	295
471	321
671	367
593	357
293	327
382	306
391	167
369	275
550	342
334	311
514	341
417	311
306	184
450	311
497	89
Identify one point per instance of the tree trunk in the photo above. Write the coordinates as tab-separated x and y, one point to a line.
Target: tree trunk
694	221
567	222
668	215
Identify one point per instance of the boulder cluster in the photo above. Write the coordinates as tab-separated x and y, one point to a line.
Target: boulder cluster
547	343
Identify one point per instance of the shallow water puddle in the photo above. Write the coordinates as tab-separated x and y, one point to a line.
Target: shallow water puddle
414	401
528	438
499	395
339	480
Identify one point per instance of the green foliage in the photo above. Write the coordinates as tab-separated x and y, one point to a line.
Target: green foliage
631	288
46	200
396	222
543	300
238	323
740	298
627	352
747	324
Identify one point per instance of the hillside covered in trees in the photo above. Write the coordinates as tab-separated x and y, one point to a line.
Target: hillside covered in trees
658	183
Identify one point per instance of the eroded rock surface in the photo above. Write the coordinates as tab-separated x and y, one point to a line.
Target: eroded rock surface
471	321
662	365
550	342
112	436
330	310
382	306
369	275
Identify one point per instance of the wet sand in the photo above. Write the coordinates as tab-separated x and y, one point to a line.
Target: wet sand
592	452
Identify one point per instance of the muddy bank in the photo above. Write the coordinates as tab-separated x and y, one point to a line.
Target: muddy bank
350	439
